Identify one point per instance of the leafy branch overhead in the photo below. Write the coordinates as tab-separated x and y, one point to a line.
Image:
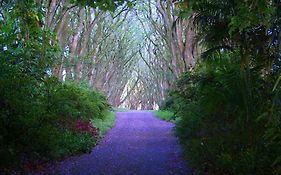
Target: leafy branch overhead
110	5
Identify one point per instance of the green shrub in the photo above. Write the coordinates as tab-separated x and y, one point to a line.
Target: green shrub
226	124
70	100
36	117
72	143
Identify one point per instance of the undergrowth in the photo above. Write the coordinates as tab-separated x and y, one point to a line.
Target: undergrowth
104	124
45	120
225	126
165	115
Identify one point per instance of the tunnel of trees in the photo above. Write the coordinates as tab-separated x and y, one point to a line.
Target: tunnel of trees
215	64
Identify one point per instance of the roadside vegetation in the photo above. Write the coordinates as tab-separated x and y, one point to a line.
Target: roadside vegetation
229	105
41	118
165	115
105	123
45	120
120	109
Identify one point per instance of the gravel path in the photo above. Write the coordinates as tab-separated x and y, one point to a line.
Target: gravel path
139	144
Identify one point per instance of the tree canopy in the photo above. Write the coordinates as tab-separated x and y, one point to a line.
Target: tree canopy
214	64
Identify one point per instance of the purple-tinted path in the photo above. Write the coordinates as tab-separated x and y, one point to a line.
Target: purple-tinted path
139	144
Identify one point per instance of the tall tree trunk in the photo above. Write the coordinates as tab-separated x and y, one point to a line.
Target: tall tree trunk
51	12
84	45
73	47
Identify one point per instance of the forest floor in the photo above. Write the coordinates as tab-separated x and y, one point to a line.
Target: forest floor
138	144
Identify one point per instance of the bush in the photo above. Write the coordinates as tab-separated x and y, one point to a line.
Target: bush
72	143
71	101
228	125
44	119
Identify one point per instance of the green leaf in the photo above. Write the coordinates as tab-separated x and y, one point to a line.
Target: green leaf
276	84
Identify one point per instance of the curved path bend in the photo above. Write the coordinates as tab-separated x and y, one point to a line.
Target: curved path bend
139	144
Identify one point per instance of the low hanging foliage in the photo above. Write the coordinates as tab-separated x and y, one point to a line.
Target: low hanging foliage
109	5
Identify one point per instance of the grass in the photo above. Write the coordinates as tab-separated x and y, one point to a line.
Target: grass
165	115
104	124
120	109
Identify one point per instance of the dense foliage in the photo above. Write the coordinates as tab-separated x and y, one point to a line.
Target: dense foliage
40	117
229	105
110	5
